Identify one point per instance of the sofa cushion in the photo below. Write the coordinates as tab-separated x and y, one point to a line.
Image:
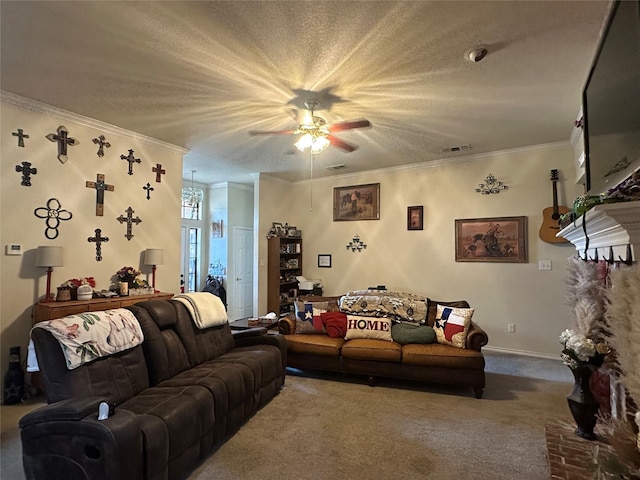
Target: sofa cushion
308	316
335	323
405	333
452	325
445	356
432	308
368	327
370	349
318	344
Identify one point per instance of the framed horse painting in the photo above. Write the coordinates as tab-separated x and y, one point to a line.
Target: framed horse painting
499	239
356	202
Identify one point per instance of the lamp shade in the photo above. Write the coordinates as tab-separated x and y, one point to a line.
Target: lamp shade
153	256
49	257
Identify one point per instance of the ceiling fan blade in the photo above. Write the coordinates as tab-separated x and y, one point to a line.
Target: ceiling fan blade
273	132
337	127
336	142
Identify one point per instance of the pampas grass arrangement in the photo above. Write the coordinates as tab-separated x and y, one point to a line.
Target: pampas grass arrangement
622	319
586	297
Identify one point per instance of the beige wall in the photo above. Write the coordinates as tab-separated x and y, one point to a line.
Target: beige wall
423	261
22	284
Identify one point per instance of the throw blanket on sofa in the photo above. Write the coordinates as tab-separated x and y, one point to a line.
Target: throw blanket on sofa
87	336
400	306
206	309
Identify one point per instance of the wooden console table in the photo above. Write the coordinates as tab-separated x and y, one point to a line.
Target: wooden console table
50	310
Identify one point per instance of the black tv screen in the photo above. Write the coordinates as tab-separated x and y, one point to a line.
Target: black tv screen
611	102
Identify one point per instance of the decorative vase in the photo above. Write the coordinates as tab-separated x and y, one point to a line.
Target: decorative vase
582	403
124	289
14	378
64	294
85	292
73	291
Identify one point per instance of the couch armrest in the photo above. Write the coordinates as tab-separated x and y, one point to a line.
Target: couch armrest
56	445
72	409
276	340
476	337
287	325
249	332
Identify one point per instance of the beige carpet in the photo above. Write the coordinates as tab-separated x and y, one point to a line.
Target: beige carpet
331	427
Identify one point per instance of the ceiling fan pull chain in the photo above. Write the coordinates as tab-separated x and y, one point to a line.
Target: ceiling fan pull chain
311	184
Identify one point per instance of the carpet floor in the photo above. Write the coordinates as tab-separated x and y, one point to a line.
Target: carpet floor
324	426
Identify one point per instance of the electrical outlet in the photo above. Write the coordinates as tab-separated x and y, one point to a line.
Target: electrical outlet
511	328
544	264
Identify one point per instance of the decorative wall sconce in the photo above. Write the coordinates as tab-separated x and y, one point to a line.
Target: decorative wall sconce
356	244
491	185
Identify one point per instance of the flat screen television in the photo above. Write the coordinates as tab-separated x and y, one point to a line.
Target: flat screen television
611	102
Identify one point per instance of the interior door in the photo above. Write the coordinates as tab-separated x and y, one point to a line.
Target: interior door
240	281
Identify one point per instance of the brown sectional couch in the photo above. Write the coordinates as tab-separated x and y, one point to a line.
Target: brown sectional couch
178	396
433	362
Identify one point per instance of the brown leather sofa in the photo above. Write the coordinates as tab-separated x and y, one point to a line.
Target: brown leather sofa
178	396
433	362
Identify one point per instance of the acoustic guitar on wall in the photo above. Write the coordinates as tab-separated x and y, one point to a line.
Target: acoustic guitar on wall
551	216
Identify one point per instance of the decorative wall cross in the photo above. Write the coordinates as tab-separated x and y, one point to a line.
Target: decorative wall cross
98	239
63	140
131	159
129	221
159	171
100	187
53	213
21	136
102	144
149	189
27	171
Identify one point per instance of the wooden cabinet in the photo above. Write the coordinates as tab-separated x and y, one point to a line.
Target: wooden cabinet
50	310
284	265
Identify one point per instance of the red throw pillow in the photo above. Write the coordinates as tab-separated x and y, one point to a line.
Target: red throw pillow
335	323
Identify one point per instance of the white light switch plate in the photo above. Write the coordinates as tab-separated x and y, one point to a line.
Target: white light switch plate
544	264
13	249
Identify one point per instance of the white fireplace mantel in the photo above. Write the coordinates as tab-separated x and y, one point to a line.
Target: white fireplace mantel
608	226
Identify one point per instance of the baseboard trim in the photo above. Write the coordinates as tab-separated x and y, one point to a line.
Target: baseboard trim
524	353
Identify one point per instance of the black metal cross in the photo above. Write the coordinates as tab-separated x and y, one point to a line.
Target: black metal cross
102	144
27	171
159	171
21	136
149	189
100	187
129	221
63	140
98	239
131	159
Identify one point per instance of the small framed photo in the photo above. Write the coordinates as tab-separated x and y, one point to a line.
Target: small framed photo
415	218
324	260
277	226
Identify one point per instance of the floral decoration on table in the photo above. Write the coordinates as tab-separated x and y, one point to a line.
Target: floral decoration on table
579	350
76	282
128	274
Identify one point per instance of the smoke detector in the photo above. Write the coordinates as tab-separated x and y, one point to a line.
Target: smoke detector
476	54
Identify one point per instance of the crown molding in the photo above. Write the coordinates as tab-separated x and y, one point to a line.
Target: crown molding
39	107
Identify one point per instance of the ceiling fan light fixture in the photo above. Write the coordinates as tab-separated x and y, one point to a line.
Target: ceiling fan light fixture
304	142
319	144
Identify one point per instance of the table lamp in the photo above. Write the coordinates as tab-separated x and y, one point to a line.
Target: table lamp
49	257
153	257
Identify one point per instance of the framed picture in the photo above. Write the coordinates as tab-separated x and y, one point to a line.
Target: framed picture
277	226
216	229
357	202
499	239
324	260
414	218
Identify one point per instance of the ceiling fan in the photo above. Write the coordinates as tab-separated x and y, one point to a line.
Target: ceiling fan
315	133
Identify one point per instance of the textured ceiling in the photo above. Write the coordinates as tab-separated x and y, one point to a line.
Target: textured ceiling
200	75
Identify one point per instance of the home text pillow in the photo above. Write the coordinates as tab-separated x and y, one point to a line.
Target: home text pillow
378	328
406	333
335	323
452	325
308	317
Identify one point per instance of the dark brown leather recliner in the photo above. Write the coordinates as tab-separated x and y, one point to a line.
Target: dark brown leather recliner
178	396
